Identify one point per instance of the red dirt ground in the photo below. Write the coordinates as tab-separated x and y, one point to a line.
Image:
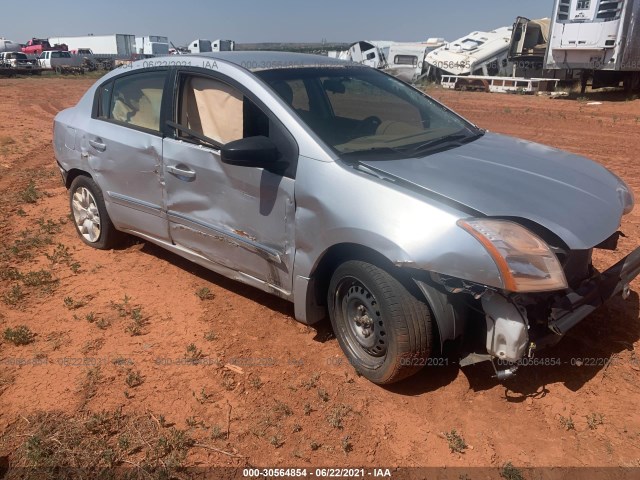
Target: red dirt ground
519	422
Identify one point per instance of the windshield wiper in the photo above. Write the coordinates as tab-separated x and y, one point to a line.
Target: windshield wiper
374	150
452	140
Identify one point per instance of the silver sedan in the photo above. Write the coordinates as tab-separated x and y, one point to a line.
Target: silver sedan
352	195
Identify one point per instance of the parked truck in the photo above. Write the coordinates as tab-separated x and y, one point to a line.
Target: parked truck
61	62
598	38
18	61
36	46
152	45
119	45
200	45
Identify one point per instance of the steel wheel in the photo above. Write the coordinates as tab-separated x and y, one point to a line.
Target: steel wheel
383	328
86	214
365	325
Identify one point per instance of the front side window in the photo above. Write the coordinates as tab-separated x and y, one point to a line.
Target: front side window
133	99
217	111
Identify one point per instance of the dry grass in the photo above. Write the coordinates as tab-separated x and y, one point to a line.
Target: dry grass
85	445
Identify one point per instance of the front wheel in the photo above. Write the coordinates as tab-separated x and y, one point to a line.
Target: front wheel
90	215
385	331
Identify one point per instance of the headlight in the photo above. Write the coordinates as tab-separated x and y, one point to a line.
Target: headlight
525	261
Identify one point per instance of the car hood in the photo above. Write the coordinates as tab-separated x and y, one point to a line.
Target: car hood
501	176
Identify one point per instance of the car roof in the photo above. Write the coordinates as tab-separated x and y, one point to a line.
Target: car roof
267	60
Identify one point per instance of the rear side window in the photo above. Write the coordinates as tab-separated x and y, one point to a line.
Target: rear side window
134	100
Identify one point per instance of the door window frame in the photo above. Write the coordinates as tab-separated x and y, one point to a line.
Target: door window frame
164	106
172	111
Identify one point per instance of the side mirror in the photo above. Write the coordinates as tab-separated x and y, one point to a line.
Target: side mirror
250	152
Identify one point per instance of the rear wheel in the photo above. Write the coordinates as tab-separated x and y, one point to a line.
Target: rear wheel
90	215
383	329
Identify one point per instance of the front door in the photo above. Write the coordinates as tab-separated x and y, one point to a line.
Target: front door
239	218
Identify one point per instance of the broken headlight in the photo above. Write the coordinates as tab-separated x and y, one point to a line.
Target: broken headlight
525	261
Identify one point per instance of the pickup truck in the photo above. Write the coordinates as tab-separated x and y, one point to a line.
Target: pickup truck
16	60
36	46
60	61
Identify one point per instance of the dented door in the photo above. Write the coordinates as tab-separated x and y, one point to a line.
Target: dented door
127	164
237	217
123	145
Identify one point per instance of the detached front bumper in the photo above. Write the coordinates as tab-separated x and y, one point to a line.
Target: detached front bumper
571	309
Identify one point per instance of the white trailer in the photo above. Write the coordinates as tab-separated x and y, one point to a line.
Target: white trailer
153	45
118	44
479	53
407	61
404	60
599	38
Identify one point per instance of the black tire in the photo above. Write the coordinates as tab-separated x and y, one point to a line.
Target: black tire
399	322
108	237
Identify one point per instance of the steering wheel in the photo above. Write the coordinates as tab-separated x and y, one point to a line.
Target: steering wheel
367	126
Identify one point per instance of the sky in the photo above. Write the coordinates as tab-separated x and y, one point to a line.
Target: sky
266	21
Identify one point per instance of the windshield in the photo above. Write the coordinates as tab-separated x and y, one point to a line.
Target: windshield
361	110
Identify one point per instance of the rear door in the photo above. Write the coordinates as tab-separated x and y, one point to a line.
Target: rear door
240	218
123	145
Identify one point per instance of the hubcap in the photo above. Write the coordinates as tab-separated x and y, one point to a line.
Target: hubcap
86	214
364	321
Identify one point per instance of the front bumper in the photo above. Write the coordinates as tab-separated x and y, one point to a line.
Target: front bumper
569	310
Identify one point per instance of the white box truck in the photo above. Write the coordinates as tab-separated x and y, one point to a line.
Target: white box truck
153	45
599	38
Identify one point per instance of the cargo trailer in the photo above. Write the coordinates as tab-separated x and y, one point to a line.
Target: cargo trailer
117	44
599	38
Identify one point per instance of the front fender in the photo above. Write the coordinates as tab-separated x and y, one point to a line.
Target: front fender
336	204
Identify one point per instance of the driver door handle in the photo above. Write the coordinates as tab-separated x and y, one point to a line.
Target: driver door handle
101	147
181	172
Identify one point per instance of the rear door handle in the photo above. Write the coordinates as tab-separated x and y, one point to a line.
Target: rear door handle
101	147
181	172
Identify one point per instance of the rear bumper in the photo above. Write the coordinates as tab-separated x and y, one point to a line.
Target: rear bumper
571	309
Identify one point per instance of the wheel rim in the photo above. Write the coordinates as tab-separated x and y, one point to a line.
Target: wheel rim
361	313
86	214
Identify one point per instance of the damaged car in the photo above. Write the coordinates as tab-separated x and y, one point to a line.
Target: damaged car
351	194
